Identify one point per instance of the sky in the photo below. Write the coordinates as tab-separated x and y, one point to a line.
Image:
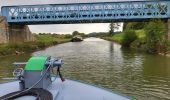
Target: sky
62	28
69	28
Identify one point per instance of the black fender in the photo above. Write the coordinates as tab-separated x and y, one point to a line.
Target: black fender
40	94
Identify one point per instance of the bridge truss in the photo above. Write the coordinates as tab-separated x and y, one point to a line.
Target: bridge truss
87	12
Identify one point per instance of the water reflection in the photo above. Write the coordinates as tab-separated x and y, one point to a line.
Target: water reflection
156	76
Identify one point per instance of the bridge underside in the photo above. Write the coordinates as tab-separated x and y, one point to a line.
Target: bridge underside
82	21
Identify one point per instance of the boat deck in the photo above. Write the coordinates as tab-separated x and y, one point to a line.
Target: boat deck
68	90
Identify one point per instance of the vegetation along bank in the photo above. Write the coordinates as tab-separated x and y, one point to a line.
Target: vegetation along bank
150	37
41	41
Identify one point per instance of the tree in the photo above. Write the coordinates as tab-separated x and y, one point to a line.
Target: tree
75	33
134	25
128	37
113	27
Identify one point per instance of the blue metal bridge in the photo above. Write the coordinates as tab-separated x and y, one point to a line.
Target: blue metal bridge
98	12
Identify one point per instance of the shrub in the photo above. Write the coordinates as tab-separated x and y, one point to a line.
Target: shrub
135	25
155	32
128	37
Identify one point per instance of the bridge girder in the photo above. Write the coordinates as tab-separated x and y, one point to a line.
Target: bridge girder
87	12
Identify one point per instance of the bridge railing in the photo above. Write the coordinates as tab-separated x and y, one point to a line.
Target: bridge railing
87	12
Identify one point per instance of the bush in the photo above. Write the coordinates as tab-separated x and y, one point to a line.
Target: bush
134	25
156	41
139	44
128	37
5	50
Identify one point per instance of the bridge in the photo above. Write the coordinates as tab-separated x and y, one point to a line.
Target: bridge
98	12
18	17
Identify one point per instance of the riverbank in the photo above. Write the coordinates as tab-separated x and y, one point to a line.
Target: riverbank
118	37
115	38
139	43
41	42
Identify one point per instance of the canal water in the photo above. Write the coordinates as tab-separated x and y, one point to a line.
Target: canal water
105	64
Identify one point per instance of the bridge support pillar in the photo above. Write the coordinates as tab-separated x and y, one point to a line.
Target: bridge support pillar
10	33
3	30
168	25
19	33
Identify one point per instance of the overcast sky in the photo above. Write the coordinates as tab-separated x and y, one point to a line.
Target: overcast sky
62	28
69	28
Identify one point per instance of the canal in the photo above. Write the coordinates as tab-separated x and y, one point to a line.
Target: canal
103	63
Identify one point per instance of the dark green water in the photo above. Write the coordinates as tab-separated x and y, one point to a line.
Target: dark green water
104	63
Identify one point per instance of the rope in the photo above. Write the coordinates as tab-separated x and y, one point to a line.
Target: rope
40	94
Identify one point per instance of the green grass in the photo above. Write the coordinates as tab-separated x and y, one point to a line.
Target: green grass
140	33
51	39
45	38
41	42
119	36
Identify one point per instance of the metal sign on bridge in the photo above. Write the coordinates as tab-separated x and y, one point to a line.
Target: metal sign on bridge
87	12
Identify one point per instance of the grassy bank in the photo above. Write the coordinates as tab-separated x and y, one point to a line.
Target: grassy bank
41	42
139	43
118	37
145	36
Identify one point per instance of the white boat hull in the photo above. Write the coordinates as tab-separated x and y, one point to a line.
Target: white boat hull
67	90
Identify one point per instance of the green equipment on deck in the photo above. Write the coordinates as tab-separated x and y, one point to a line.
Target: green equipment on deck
37	72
